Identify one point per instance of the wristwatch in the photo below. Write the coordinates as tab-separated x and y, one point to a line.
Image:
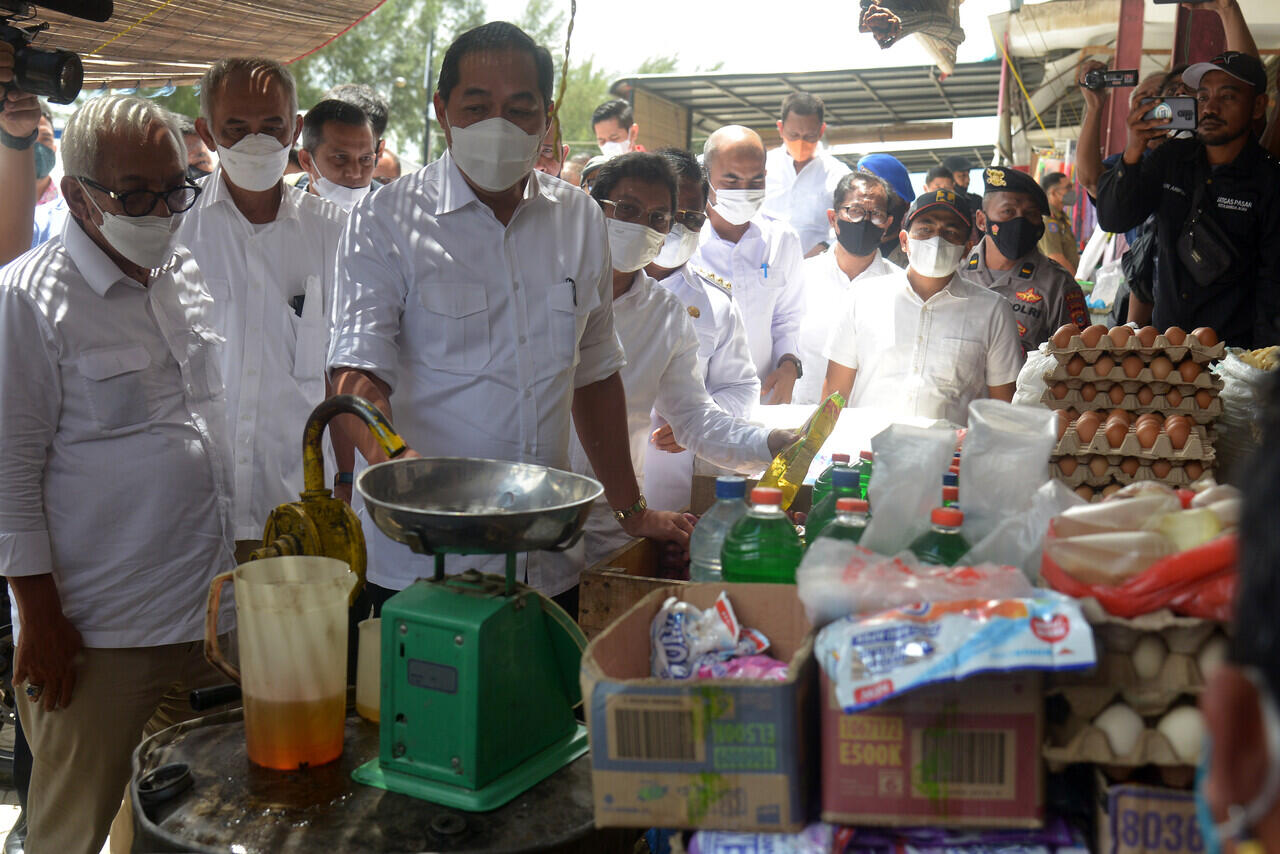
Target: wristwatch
18	143
634	510
343	477
793	360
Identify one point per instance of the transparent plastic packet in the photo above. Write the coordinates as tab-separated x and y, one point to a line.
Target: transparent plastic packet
906	484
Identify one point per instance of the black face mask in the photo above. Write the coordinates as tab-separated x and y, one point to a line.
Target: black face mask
859	238
1015	237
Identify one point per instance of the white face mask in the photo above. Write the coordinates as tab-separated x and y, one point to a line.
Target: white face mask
255	163
632	245
738	206
678	247
935	257
494	153
344	197
613	149
145	240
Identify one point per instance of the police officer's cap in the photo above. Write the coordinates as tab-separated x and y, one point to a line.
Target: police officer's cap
948	199
1006	179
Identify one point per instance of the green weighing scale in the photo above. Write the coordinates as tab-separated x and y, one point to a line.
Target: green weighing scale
479	672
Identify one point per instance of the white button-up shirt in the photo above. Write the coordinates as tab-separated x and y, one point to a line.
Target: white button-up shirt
925	358
802	199
483	331
273	359
826	296
112	441
763	268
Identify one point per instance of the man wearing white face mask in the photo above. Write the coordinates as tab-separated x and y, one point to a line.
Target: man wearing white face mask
801	174
756	257
339	152
114	449
615	128
267	251
475	308
923	341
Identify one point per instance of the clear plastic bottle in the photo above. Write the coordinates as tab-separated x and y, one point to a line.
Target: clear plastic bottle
822	486
844	484
850	521
864	472
708	535
763	545
944	544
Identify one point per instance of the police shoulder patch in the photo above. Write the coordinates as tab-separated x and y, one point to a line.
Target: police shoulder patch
973	261
1027	271
1051	227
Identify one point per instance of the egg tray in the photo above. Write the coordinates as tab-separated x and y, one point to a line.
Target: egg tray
1159	404
1161	345
1199	445
1204	379
1114	679
1182	635
1080	741
1074	399
1083	475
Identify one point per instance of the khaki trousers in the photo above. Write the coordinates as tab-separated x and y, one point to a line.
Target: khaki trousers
83	753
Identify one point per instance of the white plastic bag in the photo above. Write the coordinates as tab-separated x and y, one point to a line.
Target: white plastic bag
1031	383
1019	539
906	484
1004	461
1092	254
1239	432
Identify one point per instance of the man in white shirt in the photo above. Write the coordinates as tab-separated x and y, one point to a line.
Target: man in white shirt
923	341
615	128
756	257
801	176
339	152
860	216
114	449
475	300
267	252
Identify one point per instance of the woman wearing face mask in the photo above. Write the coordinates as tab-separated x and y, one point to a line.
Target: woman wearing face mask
924	341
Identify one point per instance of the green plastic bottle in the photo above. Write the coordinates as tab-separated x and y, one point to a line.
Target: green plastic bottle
822	486
864	472
944	544
850	521
844	484
763	545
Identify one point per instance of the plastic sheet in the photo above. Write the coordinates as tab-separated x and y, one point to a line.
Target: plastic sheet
1242	395
1031	379
906	484
1004	461
1019	539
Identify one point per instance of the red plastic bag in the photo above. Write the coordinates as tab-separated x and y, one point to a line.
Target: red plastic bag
1199	582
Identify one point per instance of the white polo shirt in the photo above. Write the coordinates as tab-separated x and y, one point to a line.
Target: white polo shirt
826	296
113	442
483	331
802	199
273	358
762	269
925	358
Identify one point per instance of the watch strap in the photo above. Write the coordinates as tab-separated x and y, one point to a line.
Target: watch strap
795	360
634	510
343	477
18	143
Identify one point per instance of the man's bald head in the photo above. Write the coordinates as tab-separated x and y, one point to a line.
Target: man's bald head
733	140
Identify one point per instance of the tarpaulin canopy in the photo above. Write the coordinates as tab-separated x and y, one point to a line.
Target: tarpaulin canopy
155	42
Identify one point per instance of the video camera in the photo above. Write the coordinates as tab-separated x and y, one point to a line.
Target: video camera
53	74
1101	78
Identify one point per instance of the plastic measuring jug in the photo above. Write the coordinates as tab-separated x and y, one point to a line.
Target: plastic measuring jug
291	624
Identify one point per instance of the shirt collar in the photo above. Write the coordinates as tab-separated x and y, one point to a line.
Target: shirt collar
214	191
953	289
456	193
94	265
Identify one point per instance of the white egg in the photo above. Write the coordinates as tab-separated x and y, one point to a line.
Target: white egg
1211	655
1184	727
1122	727
1148	656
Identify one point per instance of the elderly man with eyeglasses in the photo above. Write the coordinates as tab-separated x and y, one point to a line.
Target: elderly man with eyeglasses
114	452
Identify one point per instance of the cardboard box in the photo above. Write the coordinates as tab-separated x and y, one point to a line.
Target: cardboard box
1146	819
615	584
961	754
722	754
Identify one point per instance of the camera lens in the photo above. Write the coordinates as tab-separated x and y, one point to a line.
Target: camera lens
1093	79
53	74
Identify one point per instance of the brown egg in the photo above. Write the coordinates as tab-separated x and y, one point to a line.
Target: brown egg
1116	431
1059	390
1064	421
1121	414
1093	335
1067	465
1087	426
1175	335
1132	366
1151	418
1062	338
1204	398
1147	336
1178	432
1147	433
1120	335
1103	366
1129	465
1075	366
1116	393
1193	468
1189	370
1111	489
1206	336
1161	468
1088	392
1161	366
1173	398
1072	413
1098	465
1146	395
1085	491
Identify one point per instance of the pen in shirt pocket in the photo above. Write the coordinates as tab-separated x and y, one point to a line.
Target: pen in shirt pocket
574	288
765	268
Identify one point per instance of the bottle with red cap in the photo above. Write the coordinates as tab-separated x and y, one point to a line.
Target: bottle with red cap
850	521
943	544
822	486
864	475
950	496
844	484
763	545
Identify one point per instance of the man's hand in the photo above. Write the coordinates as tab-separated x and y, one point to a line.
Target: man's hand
780	440
21	114
46	659
343	491
1141	131
1093	98
659	525
777	387
665	440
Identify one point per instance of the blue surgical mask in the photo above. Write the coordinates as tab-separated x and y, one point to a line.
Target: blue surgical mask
45	160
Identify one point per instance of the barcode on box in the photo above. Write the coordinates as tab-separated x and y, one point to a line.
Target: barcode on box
655	729
963	763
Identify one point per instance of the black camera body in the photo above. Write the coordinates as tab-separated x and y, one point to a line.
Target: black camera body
56	75
1101	78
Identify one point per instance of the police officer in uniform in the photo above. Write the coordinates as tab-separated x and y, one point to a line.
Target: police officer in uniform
1044	295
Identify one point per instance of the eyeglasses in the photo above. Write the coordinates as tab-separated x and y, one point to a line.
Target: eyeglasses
692	220
659	220
857	213
143	202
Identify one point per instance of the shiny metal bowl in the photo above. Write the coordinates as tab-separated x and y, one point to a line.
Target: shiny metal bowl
448	505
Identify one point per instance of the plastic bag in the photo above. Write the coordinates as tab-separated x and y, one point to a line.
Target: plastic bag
906	484
1004	461
1239	431
1019	539
1031	383
1092	254
814	839
683	639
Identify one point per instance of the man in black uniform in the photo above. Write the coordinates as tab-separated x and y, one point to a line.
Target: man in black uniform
1044	295
958	165
1217	204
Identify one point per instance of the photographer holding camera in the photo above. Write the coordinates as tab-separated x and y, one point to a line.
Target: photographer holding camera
19	121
